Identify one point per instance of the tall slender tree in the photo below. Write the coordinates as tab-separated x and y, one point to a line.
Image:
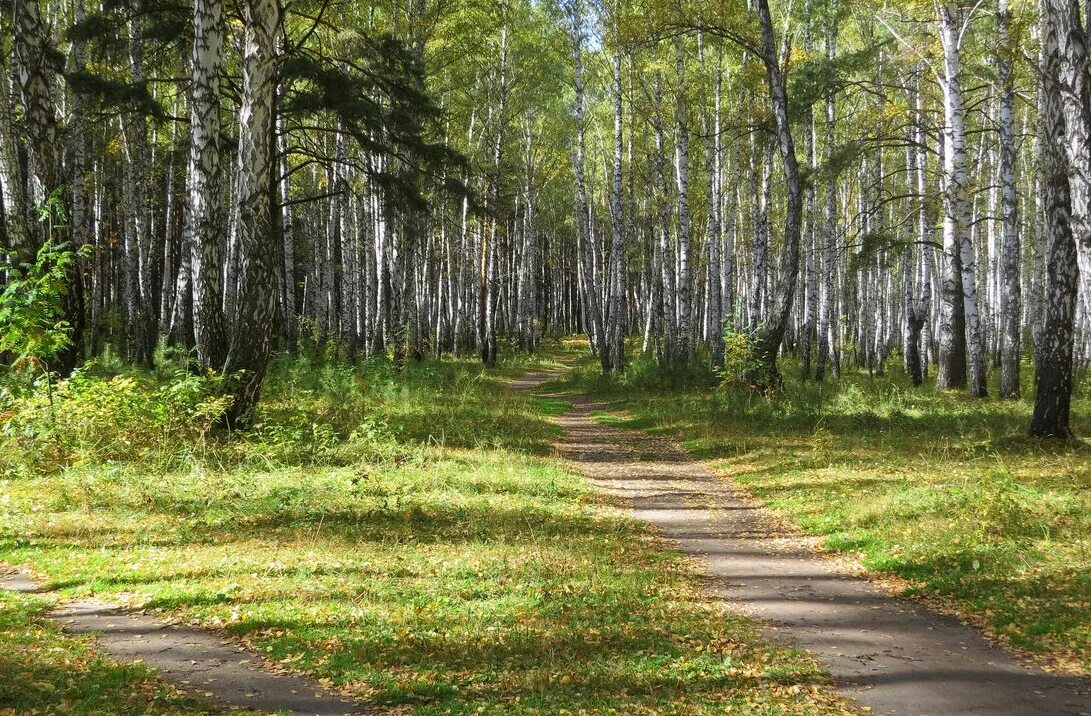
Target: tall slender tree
205	192
252	324
1053	356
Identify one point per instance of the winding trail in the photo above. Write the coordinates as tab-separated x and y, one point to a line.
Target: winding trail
199	662
889	654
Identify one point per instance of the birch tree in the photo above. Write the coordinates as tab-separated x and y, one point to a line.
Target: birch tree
683	347
956	209
592	314
766	343
1053	356
205	193
618	323
252	325
826	342
1011	283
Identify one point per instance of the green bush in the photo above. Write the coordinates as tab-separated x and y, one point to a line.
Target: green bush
94	419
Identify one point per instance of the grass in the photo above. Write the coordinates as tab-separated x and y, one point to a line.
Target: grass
400	535
927	486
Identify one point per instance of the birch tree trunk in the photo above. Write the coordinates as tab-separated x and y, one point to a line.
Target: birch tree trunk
255	318
810	289
1074	78
915	311
81	216
766	343
592	317
667	292
618	257
489	257
714	303
287	280
952	327
1010	286
528	272
826	342
970	303
684	347
141	328
206	209
33	52
19	244
1074	85
1053	379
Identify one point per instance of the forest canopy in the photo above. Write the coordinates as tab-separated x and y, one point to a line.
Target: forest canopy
876	185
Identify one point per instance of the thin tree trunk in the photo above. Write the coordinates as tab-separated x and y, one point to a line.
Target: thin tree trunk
592	314
766	343
810	288
618	320
714	304
206	210
16	228
826	343
1010	250
684	348
952	328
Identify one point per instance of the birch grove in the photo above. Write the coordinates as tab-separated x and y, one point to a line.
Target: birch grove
875	186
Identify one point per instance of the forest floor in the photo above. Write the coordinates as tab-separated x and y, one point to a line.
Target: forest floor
890	655
407	536
401	536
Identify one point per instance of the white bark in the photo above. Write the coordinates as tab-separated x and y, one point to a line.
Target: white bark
252	334
956	215
684	343
826	342
205	192
1053	356
618	320
1010	287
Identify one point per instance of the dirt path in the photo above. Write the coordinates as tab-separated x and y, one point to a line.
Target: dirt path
892	655
199	662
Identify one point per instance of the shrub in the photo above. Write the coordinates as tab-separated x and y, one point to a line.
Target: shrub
94	419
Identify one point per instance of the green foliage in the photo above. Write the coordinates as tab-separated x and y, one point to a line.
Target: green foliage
315	410
739	361
91	419
32	325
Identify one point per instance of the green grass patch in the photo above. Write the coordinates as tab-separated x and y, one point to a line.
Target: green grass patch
934	487
551	407
418	550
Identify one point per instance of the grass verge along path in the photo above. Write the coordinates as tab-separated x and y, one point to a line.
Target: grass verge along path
194	660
